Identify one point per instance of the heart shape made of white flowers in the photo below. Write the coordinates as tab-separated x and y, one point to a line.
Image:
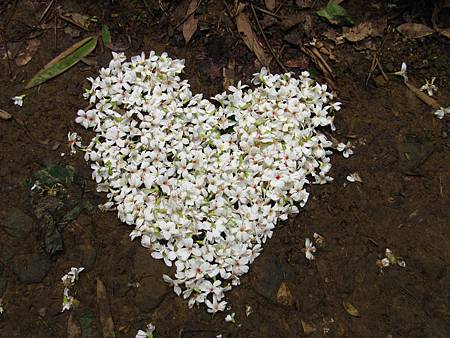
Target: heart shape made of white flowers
204	182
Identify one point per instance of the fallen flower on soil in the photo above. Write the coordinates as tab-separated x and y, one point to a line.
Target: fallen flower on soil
230	318
345	149
309	249
69	280
440	113
429	87
354	177
1	306
147	333
205	181
402	72
18	100
389	260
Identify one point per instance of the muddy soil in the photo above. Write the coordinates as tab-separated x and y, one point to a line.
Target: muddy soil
402	155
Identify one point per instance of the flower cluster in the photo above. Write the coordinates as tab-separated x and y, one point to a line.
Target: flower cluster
69	280
205	181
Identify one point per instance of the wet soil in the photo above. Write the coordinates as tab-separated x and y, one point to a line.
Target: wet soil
402	155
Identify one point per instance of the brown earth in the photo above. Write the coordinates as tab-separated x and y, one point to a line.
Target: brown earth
402	155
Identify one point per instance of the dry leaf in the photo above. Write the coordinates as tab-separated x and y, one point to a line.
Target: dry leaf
422	96
190	25
30	49
251	40
284	295
308	328
351	310
365	30
77	19
104	310
73	330
414	30
4	115
270	4
445	32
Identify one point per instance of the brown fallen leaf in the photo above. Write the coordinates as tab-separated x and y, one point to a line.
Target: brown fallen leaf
250	39
106	321
445	32
422	96
365	30
414	30
73	330
351	310
270	4
77	19
4	115
308	328
284	295
191	23
30	49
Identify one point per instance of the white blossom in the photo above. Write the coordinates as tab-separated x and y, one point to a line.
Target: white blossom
18	100
429	87
148	333
309	249
403	72
441	112
354	177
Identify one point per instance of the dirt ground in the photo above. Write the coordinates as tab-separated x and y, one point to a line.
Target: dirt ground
402	154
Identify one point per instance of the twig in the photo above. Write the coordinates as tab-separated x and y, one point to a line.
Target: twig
188	15
266	41
46	10
265	11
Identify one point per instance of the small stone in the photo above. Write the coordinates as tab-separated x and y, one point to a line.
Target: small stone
151	293
284	295
15	222
31	268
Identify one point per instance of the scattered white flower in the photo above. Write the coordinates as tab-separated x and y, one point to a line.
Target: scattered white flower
309	249
69	280
18	100
219	336
73	141
230	318
248	310
402	72
354	177
204	182
1	306
385	262
345	148
71	277
401	263
429	87
68	300
319	239
441	112
147	333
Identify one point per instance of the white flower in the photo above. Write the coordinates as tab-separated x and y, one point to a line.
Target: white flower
429	86
147	333
248	310
441	112
230	318
385	262
309	249
402	72
73	141
354	177
71	277
18	100
346	149
68	301
1	306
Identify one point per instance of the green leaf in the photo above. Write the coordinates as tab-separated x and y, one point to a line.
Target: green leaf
335	14
106	35
64	61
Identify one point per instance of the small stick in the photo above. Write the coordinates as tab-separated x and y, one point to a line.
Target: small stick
268	13
267	42
46	10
